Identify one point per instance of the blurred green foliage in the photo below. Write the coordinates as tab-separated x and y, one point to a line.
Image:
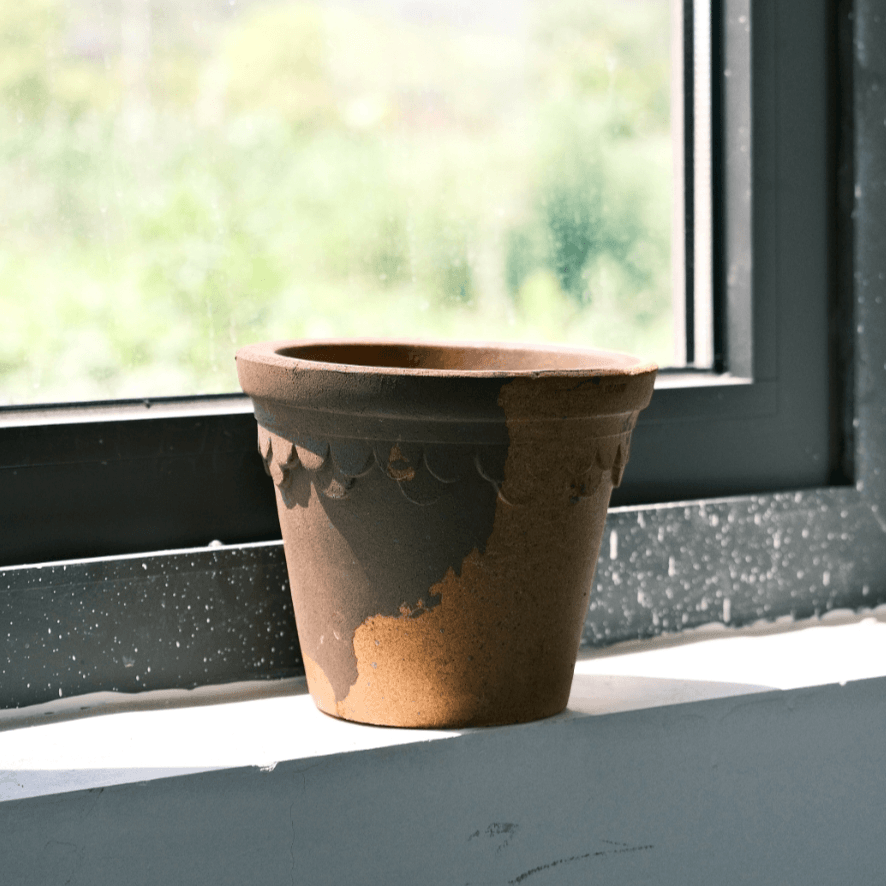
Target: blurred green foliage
275	170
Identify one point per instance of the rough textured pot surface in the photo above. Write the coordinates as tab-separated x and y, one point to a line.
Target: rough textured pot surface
442	507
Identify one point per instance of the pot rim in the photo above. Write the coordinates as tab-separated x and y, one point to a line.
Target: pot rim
527	359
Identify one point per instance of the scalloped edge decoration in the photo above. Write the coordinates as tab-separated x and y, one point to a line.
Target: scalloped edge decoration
488	476
399	461
337	463
279	456
439	460
422	487
614	457
353	458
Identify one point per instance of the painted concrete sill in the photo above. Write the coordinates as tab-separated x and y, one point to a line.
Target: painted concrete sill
730	757
105	739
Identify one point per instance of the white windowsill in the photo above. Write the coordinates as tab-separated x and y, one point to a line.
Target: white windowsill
66	746
675	763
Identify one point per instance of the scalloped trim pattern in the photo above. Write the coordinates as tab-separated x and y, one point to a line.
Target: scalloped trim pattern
424	471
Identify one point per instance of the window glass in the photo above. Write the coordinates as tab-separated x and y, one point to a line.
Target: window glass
181	177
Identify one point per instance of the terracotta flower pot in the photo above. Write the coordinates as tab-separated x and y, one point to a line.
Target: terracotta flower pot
442	507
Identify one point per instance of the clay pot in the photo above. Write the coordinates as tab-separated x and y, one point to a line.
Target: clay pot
442	507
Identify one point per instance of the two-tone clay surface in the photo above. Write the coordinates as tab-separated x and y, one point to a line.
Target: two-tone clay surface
442	509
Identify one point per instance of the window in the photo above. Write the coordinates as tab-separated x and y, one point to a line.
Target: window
195	176
760	426
794	536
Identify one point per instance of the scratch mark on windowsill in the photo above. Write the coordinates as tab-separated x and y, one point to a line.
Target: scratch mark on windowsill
572	858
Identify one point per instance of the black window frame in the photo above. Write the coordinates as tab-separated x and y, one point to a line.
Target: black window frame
752	493
105	479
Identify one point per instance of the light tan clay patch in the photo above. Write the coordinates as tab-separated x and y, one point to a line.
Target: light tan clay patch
398	465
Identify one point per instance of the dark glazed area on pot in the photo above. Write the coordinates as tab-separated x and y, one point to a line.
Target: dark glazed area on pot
442	508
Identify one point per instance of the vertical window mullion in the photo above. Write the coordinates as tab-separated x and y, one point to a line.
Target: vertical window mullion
702	210
682	277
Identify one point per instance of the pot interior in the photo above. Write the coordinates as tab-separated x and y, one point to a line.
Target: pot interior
459	357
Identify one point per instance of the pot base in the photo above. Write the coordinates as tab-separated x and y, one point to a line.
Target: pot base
449	712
